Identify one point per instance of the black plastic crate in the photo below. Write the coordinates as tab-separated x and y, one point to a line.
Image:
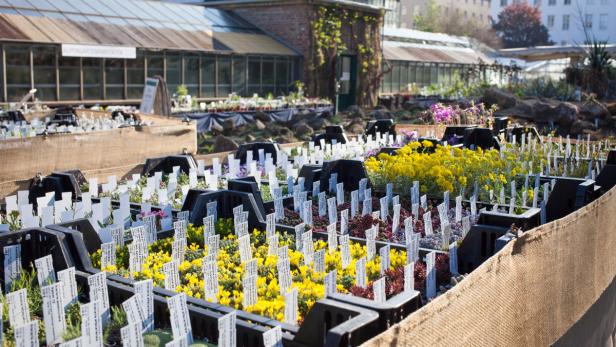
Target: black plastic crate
479	244
568	195
166	164
248	185
480	138
226	200
310	173
36	243
254	147
349	171
57	182
332	133
382	126
329	322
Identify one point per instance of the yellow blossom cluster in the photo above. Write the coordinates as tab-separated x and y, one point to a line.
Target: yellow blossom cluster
270	303
449	169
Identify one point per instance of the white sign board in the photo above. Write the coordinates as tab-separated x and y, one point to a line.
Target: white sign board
98	51
149	93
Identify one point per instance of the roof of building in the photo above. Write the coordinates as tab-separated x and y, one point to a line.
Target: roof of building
134	23
420	46
550	52
366	5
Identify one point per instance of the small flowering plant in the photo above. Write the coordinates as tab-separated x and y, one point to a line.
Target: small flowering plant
477	114
270	303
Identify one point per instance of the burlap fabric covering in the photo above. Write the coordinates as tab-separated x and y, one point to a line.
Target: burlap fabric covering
539	290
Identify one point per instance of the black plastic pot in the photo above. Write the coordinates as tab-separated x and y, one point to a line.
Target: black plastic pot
332	133
57	182
254	147
166	164
382	126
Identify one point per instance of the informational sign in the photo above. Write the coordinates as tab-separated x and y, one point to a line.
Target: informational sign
98	51
149	94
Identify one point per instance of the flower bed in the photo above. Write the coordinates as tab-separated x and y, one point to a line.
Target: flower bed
270	303
358	225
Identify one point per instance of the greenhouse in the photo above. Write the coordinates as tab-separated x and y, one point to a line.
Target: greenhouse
88	52
421	59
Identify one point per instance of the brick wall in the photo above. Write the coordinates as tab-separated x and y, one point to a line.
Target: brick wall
290	23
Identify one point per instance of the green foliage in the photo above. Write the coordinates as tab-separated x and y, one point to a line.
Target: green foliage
597	57
431	20
118	320
544	88
181	90
159	338
73	323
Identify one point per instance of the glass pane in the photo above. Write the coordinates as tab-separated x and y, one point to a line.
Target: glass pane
268	72
69	78
239	75
155	66
254	76
17	71
387	80
44	72
135	76
191	74
282	77
224	76
174	72
92	77
404	75
114	79
395	77
208	77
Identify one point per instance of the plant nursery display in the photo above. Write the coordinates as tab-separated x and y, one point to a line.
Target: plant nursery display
44	307
236	103
82	124
256	272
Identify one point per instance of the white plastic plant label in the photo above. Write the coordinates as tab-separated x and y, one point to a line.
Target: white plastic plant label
135	311
330	283
227	330
273	337
27	335
145	291
132	335
172	275
384	255
68	286
12	265
180	321
108	256
249	285
409	277
378	287
431	275
53	313
19	309
360	272
91	323
98	290
290	307
210	273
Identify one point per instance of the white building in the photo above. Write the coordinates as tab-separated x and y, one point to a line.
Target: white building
565	19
